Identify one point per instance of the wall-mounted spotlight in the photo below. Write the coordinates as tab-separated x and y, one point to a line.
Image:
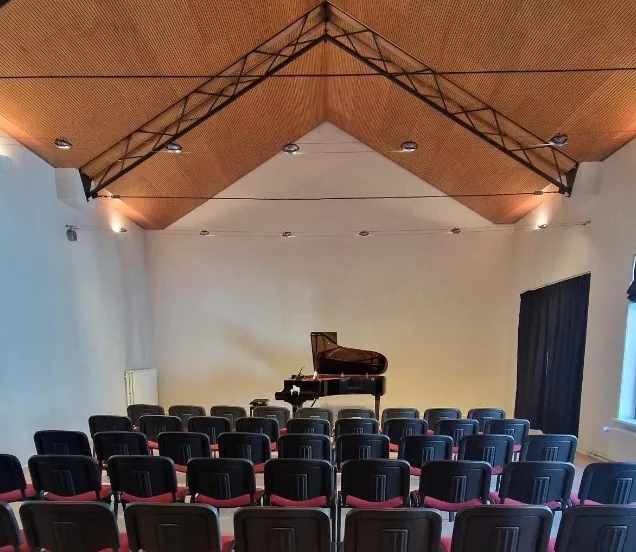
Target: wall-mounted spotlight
409	146
455	230
204	233
291	149
63	143
364	233
558	140
542	226
121	230
173	147
287	234
71	232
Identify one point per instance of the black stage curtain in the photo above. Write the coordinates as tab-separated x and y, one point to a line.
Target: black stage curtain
550	354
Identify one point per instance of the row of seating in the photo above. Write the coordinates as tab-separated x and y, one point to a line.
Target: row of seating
195	528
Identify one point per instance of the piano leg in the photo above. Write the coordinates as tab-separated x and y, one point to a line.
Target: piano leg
377	407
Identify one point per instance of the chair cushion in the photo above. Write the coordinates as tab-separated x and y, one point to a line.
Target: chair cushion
317	502
455	450
84	497
227	543
516	448
16	496
430	502
237	501
553	504
162	498
215	448
415	471
551	545
153	445
430	432
576	502
272	447
446	544
393	447
497	470
282	431
181	469
259	468
354	502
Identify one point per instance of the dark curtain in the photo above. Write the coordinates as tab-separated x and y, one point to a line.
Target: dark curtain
550	355
631	290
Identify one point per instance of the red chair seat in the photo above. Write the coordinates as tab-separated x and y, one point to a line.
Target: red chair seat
84	497
16	496
317	502
553	504
430	502
446	544
551	545
430	432
24	547
227	543
236	502
393	447
153	445
415	471
354	502
282	430
497	470
259	468
455	450
272	447
162	498
215	448
181	469
516	448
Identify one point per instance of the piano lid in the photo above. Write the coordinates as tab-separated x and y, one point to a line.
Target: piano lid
333	359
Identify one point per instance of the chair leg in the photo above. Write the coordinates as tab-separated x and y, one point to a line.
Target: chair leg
451	516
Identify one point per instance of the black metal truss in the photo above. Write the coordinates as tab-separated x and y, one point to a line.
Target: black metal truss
327	22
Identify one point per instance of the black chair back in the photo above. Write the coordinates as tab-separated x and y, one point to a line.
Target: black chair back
181	446
309	482
222	482
311	412
142	476
484	415
495	449
136	411
66	475
264	426
609	483
11	475
548	448
385	483
251	446
457	429
119	443
345	413
597	529
53	441
185	412
9	532
305	445
548	483
419	449
167	527
404	529
152	426
392	413
212	426
309	425
517	428
106	422
351	446
357	426
396	428
434	415
455	481
522	529
258	529
232	413
278	413
61	527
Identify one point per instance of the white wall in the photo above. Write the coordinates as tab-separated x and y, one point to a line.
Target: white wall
231	316
73	316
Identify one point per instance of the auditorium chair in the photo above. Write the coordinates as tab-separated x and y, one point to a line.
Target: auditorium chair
289	529
212	426
345	413
11	538
278	413
121	443
419	449
305	445
68	478
136	411
495	528
548	448
356	426
451	485
232	413
151	426
181	446
352	446
374	483
518	429
457	429
13	485
607	483
223	482
77	527
106	422
54	441
185	412
497	450
400	529
264	426
396	428
536	483
311	412
144	479
255	447
483	415
392	413
309	425
174	527
434	415
596	529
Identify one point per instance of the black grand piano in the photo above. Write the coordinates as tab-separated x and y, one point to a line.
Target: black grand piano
338	370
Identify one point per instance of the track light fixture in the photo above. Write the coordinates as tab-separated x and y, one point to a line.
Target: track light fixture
409	146
291	149
455	230
204	233
121	230
364	233
558	140
287	234
542	226
173	147
62	143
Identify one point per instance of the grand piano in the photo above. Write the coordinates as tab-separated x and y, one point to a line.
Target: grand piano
338	370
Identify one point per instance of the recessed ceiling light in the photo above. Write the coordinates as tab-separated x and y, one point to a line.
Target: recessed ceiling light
455	230
409	146
364	233
173	147
542	226
291	149
63	143
287	234
204	233
558	140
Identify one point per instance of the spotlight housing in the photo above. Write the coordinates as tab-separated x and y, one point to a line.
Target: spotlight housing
63	143
173	147
455	230
364	233
542	226
558	140
204	233
409	146
287	234
537	192
291	149
122	230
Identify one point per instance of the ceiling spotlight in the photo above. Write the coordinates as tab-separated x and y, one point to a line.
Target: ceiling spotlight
204	233
62	143
364	233
542	226
291	149
537	192
456	230
558	140
409	146
173	147
121	230
71	232
287	234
